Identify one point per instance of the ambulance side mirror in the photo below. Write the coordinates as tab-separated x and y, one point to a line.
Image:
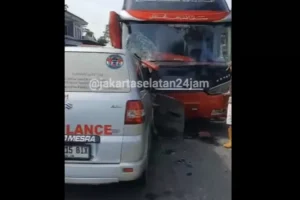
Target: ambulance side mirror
152	69
150	65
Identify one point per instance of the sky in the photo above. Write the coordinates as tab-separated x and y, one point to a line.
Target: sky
96	12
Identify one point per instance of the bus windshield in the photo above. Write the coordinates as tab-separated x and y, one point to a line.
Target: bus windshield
195	42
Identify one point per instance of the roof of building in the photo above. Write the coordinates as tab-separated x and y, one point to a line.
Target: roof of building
75	18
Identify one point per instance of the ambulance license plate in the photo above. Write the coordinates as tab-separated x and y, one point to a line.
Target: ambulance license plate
77	152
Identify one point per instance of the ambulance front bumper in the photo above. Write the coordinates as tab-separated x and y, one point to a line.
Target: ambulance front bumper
95	174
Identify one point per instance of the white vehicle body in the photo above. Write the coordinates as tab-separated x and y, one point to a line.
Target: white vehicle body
108	129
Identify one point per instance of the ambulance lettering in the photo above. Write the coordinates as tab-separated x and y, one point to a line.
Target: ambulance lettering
85	129
80	138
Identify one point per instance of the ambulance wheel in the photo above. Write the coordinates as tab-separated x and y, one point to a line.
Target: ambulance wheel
141	182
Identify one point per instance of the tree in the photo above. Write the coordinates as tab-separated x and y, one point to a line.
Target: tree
89	33
106	32
102	41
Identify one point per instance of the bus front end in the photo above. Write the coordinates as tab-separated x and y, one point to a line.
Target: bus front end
189	42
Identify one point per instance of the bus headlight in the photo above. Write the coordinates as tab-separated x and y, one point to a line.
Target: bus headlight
219	89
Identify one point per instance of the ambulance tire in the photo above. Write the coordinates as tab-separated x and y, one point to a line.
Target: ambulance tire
142	180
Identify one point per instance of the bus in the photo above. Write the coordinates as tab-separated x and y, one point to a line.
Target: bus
180	40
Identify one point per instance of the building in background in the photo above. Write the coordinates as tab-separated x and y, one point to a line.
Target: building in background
74	29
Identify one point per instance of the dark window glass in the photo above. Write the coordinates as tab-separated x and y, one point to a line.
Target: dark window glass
211	5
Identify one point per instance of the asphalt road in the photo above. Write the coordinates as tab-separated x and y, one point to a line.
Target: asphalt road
189	169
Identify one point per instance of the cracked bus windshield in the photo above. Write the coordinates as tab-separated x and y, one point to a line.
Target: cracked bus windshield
200	43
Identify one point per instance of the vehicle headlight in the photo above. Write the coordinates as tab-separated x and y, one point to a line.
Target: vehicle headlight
220	89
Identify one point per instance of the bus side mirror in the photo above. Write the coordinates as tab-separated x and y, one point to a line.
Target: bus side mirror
115	30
